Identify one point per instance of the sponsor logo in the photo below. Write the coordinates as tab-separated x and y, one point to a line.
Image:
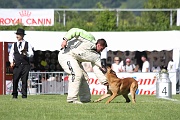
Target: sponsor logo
26	17
29	21
25	13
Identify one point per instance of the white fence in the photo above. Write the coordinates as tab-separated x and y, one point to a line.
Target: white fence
57	83
62	13
47	83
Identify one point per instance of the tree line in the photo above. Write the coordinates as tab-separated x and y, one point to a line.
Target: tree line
70	3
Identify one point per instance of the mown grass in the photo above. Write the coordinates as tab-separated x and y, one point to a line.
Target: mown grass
54	107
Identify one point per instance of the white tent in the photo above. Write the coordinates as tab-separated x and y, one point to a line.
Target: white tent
123	41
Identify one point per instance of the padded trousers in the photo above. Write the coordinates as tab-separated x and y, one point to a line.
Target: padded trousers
77	77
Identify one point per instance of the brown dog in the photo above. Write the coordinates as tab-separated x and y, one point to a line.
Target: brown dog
119	86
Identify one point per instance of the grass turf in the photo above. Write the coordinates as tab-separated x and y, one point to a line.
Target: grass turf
54	107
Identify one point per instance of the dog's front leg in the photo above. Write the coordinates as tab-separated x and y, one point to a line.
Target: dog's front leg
112	97
102	97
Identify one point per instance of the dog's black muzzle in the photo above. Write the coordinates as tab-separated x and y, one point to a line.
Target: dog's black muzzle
104	70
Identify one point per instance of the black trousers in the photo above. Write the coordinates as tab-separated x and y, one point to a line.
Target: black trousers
21	71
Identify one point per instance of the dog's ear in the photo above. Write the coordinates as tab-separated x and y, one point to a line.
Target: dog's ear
108	67
112	72
109	70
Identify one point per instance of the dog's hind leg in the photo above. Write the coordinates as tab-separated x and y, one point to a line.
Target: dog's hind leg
102	97
133	96
133	92
127	98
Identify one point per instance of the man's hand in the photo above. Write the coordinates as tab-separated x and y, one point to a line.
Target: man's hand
12	64
64	44
24	52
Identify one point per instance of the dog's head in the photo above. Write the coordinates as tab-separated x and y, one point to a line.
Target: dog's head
107	71
110	71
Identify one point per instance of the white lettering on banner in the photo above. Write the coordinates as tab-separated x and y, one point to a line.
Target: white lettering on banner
146	83
32	17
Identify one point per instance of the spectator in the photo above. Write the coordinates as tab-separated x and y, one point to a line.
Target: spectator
128	67
137	68
156	68
146	65
117	65
171	66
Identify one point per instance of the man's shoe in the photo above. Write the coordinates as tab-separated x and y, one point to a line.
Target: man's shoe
14	97
24	97
75	102
87	101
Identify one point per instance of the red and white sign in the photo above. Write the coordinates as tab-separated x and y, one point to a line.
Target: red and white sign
146	83
95	86
27	17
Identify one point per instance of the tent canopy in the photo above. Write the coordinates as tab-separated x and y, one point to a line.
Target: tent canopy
123	41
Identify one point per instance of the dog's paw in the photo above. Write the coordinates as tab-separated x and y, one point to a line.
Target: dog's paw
96	101
107	102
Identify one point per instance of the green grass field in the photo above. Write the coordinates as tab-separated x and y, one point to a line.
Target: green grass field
54	107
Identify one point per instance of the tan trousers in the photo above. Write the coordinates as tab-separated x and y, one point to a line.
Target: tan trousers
77	78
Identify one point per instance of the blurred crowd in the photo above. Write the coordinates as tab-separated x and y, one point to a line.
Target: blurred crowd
128	61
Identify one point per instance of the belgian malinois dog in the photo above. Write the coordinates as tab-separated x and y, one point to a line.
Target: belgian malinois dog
119	86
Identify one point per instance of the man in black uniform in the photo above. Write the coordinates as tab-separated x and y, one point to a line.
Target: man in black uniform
19	56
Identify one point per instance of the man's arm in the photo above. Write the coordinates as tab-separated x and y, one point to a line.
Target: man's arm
97	68
30	52
147	66
169	66
99	74
11	56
